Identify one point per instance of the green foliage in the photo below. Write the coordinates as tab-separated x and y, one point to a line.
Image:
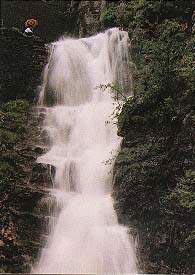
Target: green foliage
183	195
16	106
145	14
108	17
13	122
13	119
154	179
165	72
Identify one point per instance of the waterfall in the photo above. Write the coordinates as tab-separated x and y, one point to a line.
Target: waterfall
85	236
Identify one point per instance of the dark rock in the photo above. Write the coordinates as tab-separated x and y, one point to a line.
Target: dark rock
154	191
41	175
22	61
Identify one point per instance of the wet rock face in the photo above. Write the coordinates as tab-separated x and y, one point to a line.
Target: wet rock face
89	17
22	181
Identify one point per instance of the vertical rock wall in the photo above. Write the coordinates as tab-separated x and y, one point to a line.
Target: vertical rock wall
22	182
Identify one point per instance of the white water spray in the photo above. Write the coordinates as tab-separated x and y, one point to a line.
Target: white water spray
86	237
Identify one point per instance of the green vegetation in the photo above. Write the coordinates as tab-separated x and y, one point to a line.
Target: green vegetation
19	195
108	16
154	172
13	120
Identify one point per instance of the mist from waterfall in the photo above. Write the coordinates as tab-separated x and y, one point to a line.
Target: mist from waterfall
85	236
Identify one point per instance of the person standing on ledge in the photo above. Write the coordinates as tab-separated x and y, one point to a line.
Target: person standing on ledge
30	24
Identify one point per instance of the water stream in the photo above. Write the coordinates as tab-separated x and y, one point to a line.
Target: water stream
86	236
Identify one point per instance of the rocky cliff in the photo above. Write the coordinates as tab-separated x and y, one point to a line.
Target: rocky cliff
154	185
22	182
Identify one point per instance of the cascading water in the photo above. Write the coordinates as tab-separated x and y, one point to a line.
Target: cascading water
86	237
